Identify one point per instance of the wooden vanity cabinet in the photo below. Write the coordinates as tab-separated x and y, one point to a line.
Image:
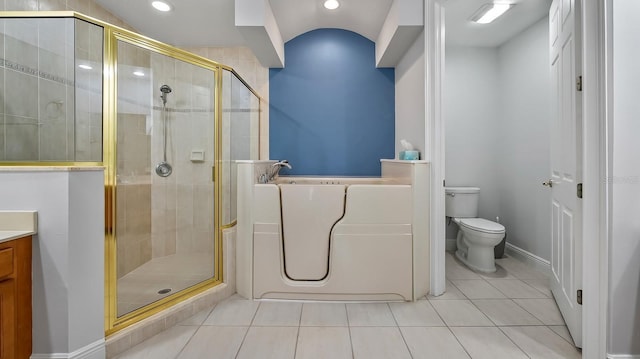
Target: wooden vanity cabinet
15	299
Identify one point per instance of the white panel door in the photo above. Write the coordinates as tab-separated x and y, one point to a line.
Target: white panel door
566	171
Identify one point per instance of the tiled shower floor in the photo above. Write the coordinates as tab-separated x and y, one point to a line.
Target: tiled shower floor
176	272
509	314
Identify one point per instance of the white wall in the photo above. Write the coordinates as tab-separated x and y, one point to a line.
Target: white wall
524	157
68	256
497	132
410	95
624	274
471	117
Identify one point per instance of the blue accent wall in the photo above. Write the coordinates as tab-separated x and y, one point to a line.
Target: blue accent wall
331	111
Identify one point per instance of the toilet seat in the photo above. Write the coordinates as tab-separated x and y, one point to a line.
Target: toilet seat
481	225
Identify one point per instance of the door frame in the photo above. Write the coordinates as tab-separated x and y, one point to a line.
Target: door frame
434	135
596	55
596	67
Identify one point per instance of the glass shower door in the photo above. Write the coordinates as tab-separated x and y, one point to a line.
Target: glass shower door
165	214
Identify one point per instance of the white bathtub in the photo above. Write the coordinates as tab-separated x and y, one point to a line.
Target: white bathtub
337	238
337	180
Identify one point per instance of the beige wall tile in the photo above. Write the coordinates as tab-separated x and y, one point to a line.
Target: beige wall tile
21	5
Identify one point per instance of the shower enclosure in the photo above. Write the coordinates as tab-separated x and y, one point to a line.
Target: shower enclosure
167	126
180	121
166	146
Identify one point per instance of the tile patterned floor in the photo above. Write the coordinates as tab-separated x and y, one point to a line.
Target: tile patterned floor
507	314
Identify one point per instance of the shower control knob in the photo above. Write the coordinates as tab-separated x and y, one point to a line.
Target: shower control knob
548	183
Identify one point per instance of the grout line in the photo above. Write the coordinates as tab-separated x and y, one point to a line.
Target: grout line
453	284
398	328
346	313
392	315
208	313
295	346
295	349
545	294
526	284
247	332
438	314
255	314
187	342
565	339
514	343
483	313
242	342
525	309
459	342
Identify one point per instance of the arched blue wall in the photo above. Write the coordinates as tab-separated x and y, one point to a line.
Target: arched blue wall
332	112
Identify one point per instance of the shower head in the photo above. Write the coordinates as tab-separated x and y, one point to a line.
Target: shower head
165	89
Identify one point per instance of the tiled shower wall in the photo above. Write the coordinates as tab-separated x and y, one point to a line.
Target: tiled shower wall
247	141
163	216
50	109
133	225
38	102
183	201
249	68
87	7
133	190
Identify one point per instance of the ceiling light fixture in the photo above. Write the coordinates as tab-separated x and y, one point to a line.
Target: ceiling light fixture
85	67
138	73
489	12
161	6
331	4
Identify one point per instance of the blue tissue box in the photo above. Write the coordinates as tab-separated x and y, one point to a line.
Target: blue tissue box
410	155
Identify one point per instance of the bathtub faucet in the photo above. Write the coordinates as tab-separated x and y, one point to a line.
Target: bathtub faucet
276	167
281	163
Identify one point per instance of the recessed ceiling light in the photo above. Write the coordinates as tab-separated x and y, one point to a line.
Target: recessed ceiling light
138	73
331	4
489	12
161	6
85	67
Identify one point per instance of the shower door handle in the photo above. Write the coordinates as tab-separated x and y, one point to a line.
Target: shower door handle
548	183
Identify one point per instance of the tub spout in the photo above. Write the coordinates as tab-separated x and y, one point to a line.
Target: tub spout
282	163
276	167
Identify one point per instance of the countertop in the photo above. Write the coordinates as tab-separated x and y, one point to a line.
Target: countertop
17	224
6	236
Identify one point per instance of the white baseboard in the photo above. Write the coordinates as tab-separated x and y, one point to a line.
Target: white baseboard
623	356
451	245
538	263
95	350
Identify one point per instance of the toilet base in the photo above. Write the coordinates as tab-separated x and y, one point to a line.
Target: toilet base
480	254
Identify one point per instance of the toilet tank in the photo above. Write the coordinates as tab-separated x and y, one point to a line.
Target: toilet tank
461	202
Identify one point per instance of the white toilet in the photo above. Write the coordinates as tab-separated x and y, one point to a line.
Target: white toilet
476	236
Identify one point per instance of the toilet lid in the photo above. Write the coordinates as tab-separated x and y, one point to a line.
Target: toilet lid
482	225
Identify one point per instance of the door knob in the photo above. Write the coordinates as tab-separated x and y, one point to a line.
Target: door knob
548	183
